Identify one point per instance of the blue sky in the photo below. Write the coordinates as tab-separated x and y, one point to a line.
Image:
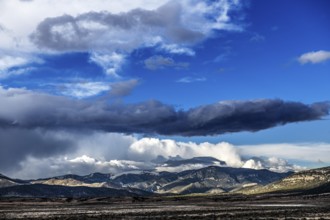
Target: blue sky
186	55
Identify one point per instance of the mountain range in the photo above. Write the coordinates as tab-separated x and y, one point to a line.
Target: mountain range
212	179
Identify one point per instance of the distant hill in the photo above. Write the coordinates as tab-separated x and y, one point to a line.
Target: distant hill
315	180
55	191
6	181
91	180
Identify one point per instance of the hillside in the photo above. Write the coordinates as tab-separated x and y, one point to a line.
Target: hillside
308	180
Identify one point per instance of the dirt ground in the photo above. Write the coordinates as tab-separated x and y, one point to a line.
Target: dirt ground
170	207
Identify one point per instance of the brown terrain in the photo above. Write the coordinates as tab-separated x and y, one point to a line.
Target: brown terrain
265	206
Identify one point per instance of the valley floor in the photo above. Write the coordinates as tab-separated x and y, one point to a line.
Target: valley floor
171	207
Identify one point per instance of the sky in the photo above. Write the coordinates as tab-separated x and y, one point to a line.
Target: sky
108	86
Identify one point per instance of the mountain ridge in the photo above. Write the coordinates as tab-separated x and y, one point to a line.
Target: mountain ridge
206	180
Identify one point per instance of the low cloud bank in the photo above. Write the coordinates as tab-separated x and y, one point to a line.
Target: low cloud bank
117	153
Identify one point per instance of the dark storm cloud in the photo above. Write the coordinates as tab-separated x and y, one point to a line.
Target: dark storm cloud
25	109
104	30
236	116
17	144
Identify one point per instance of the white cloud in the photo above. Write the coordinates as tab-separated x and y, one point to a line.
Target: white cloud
281	165
84	89
19	61
115	166
314	57
111	63
83	159
191	79
252	164
8	61
176	49
16	72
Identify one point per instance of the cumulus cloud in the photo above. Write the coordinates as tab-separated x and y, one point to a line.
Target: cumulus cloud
160	62
149	148
26	109
314	57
